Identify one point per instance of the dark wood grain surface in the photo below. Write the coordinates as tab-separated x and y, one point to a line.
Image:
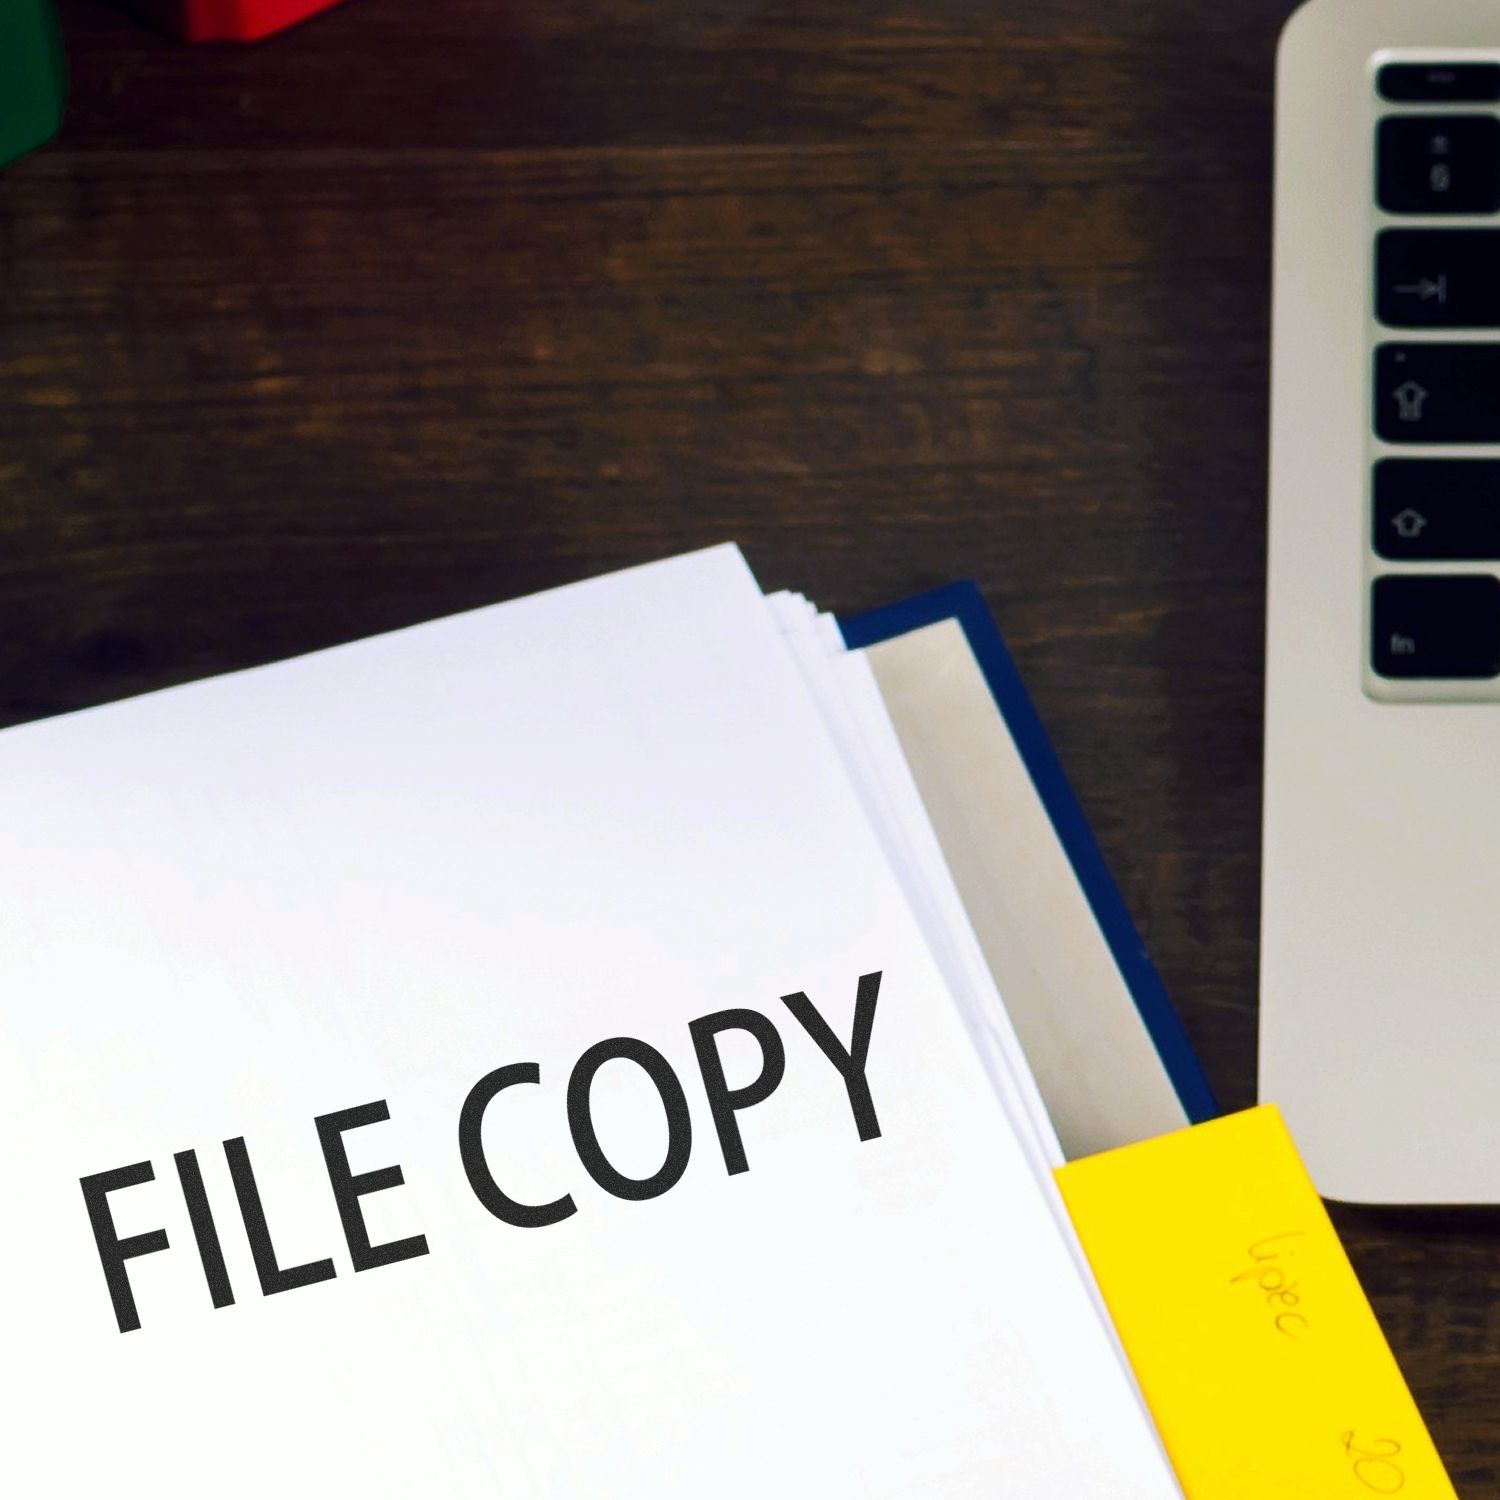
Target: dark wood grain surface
434	302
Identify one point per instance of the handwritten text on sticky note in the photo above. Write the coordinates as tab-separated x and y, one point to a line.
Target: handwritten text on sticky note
1254	1345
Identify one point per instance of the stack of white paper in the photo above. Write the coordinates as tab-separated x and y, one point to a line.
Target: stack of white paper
617	1102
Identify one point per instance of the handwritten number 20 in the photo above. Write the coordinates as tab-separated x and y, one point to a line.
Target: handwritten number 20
1375	1464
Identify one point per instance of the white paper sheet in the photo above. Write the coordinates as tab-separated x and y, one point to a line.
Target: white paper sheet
379	872
854	709
843	688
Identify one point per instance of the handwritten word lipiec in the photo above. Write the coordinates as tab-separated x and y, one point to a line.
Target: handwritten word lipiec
349	1187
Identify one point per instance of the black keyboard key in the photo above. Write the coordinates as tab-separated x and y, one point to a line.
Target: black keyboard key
1437	393
1438	278
1437	509
1439	83
1439	164
1436	626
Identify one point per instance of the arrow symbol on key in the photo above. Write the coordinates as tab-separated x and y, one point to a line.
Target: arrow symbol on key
1409	523
1428	289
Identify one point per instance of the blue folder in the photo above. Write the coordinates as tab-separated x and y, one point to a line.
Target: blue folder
963	603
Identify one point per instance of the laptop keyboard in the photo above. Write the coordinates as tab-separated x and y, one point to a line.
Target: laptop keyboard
1436	379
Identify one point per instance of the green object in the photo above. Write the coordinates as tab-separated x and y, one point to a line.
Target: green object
33	78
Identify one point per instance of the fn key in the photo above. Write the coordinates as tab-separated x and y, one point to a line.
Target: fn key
1436	625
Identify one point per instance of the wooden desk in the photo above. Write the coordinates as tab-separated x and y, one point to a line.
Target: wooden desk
433	302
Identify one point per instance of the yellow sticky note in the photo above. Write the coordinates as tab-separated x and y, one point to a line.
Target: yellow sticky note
1258	1353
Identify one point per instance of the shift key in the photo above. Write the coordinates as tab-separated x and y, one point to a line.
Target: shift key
1437	393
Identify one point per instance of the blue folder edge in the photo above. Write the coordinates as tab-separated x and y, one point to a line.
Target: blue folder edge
963	602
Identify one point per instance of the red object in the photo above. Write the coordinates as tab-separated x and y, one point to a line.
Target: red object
229	20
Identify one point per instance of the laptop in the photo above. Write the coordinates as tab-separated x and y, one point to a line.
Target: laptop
1380	972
